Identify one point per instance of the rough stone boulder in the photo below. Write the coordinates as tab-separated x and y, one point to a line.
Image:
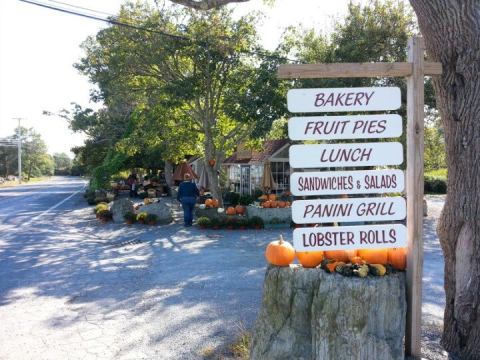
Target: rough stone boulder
119	208
161	209
310	314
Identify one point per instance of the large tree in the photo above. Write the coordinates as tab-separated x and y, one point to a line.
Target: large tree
451	29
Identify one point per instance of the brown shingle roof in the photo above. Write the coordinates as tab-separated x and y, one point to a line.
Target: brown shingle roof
270	147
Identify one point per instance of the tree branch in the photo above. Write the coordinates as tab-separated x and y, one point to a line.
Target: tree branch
205	4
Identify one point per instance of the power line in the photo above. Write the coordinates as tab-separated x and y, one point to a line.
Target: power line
136	27
82	8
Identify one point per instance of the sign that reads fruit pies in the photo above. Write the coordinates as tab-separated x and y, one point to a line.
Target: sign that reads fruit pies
343	99
345	127
350	237
347	182
348	210
345	155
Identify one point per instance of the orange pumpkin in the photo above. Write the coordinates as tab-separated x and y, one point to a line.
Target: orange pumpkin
351	254
281	204
266	204
357	260
215	203
273	203
230	211
397	257
272	197
310	259
337	255
280	253
374	256
240	210
208	203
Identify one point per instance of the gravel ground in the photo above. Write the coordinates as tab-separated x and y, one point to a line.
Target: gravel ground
71	288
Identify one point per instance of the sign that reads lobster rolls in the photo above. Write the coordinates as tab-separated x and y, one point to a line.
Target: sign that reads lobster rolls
345	155
343	99
347	182
345	127
350	237
348	210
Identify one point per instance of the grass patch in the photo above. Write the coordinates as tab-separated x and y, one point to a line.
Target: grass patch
239	349
439	173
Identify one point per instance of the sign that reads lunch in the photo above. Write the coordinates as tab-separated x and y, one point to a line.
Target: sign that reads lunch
343	99
345	155
345	127
347	182
350	237
348	210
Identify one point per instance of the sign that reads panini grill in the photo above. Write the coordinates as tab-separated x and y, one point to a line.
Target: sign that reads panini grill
343	99
345	127
347	182
350	237
345	155
349	210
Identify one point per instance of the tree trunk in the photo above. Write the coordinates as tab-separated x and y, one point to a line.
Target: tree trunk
451	29
168	169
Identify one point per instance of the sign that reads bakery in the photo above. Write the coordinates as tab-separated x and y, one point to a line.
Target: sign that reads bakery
345	155
349	237
345	127
347	182
343	99
348	210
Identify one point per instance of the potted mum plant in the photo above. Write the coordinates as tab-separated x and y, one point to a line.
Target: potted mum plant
104	215
151	219
130	218
204	222
141	217
256	222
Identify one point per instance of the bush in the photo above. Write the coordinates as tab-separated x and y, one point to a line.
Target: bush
257	193
204	222
100	207
216	223
276	220
436	185
130	217
245	200
256	222
151	219
231	198
243	223
141	217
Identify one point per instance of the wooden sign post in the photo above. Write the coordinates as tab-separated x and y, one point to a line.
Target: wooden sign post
317	128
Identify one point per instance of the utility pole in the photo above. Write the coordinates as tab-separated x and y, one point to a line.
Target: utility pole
19	151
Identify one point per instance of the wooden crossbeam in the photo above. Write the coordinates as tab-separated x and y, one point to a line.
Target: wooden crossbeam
350	70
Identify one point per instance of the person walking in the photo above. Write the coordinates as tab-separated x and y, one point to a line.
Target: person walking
187	195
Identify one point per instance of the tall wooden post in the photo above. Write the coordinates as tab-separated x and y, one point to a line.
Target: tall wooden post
415	146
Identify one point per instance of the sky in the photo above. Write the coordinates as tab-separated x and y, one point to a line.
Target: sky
38	48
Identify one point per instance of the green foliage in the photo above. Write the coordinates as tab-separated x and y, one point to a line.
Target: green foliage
130	217
434	151
104	215
256	222
204	222
151	219
100	207
231	198
440	173
436	185
141	217
63	164
257	193
246	200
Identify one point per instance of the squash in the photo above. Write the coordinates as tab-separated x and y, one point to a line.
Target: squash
147	201
377	269
272	197
281	204
397	257
351	254
273	203
209	203
361	271
230	211
310	259
338	255
266	204
240	210
280	252
357	260
215	203
374	256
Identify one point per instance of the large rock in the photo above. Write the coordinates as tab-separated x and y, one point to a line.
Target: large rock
310	314
119	208
161	209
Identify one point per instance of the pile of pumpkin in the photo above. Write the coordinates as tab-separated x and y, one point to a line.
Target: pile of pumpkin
270	201
237	210
361	263
211	203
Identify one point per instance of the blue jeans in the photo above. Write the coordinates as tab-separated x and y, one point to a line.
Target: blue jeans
188	204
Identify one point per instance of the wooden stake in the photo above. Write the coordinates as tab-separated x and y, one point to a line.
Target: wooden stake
415	147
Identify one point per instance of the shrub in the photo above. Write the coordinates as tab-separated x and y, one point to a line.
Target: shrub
437	185
231	223
275	220
257	193
100	207
256	222
245	200
231	198
130	217
141	217
242	223
151	219
216	223
204	222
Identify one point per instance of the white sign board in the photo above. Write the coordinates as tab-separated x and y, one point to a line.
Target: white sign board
343	99
347	182
350	237
345	127
345	155
348	210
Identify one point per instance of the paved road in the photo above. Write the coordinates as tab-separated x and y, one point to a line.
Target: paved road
71	288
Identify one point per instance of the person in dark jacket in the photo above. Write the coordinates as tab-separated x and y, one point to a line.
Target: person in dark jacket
187	195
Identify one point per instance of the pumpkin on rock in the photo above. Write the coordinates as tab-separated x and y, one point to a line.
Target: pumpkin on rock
230	211
240	210
337	255
310	259
374	256
397	257
280	253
